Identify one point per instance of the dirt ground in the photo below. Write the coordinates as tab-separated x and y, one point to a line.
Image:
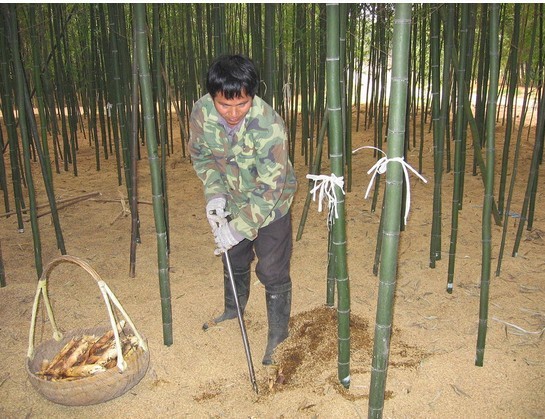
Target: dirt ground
432	372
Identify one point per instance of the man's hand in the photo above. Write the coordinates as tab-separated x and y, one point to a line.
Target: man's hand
226	237
215	212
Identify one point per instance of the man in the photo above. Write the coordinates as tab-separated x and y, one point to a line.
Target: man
239	150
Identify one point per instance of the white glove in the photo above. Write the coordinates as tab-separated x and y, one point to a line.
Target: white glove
215	212
226	237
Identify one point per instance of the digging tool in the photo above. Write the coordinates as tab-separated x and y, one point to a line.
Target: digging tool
241	323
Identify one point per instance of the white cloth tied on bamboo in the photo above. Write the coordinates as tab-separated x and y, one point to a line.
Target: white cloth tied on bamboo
326	185
381	166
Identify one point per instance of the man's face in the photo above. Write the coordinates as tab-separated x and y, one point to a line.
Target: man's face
233	110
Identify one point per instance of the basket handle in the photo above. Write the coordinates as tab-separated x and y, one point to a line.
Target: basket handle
107	294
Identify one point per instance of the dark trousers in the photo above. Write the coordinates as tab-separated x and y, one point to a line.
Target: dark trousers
273	247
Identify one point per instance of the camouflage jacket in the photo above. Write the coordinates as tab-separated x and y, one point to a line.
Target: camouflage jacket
251	169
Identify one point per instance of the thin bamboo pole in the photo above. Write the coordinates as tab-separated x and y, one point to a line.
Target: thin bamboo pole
135	222
392	208
489	187
521	123
3	176
315	170
435	245
458	142
532	175
142	54
10	124
10	20
337	165
2	270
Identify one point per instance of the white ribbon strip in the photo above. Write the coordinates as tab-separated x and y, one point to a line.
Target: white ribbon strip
380	168
326	185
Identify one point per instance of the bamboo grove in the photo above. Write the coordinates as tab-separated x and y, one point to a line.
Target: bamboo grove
119	78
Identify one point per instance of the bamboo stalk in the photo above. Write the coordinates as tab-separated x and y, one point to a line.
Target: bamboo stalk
2	270
489	188
392	209
10	16
435	244
458	147
135	221
315	170
10	124
142	51
522	120
337	165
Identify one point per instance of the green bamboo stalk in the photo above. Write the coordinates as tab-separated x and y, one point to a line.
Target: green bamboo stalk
10	20
414	75
142	54
10	124
52	116
362	34
67	79
489	188
312	82
46	169
42	149
532	175
349	81
320	65
378	244
2	270
269	62
135	223
337	166
104	66
343	18
423	37
304	88
115	94
435	245
55	36
481	82
458	142
331	274
92	76
540	68
476	149
448	81
279	75
467	38
192	94
3	175
514	170
380	95
160	99
392	209
371	69
36	61
315	170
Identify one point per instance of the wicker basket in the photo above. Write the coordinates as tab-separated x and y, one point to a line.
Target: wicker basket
97	388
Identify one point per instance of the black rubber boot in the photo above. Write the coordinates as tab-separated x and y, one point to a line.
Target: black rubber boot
242	283
278	313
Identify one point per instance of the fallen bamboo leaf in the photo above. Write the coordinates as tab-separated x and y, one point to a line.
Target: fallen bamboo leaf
459	392
537	332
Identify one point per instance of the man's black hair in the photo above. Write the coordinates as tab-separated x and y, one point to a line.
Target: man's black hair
232	75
